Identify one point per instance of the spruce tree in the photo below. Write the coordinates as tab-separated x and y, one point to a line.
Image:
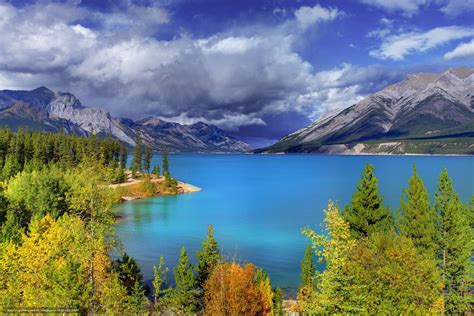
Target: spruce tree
366	214
147	158
166	170
156	170
184	296
159	279
455	246
308	268
417	219
123	156
208	258
137	157
128	272
137	300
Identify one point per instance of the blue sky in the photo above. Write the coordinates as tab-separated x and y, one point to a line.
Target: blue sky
258	69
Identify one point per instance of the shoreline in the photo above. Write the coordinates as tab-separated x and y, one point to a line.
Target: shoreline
367	154
182	188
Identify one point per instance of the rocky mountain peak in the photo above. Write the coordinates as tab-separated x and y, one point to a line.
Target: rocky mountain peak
48	110
42	89
420	105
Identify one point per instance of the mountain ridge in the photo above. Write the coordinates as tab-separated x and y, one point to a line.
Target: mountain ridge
44	109
421	106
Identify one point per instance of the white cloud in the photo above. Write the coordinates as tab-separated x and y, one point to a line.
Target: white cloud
385	29
231	79
308	16
396	47
463	50
457	7
231	45
408	7
227	122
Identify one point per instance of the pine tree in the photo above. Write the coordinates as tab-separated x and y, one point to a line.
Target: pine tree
166	170
184	294
208	258
156	170
128	272
159	279
262	282
417	219
308	268
147	159
455	246
137	299
137	158
278	298
123	156
366	214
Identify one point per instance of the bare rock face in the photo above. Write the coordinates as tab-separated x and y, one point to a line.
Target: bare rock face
422	105
51	111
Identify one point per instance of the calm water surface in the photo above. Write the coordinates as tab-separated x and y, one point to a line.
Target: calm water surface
259	203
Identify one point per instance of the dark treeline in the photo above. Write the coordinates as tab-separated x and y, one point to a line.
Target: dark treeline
31	150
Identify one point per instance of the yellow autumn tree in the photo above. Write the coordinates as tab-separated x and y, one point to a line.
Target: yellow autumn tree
332	248
51	268
231	290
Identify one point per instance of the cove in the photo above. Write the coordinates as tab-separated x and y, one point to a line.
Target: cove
259	203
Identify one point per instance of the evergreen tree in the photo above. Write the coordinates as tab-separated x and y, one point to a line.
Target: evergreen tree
389	276
455	247
262	282
184	294
137	300
308	268
208	258
11	167
137	157
417	219
159	279
156	170
278	298
166	169
123	156
366	214
147	158
128	272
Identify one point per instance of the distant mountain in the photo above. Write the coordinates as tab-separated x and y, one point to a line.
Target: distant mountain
425	113
43	109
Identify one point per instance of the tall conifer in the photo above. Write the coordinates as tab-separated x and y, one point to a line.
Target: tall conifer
208	258
417	219
123	156
455	246
147	158
137	158
307	267
366	214
166	170
184	294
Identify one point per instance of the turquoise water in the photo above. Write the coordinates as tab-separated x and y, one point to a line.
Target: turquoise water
259	203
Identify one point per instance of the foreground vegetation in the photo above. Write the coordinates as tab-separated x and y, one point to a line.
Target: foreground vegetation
57	244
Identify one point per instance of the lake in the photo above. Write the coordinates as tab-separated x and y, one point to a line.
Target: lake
259	203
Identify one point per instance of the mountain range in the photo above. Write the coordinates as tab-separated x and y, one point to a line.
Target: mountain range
425	113
44	109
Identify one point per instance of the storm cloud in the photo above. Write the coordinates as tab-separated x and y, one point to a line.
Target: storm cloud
235	79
